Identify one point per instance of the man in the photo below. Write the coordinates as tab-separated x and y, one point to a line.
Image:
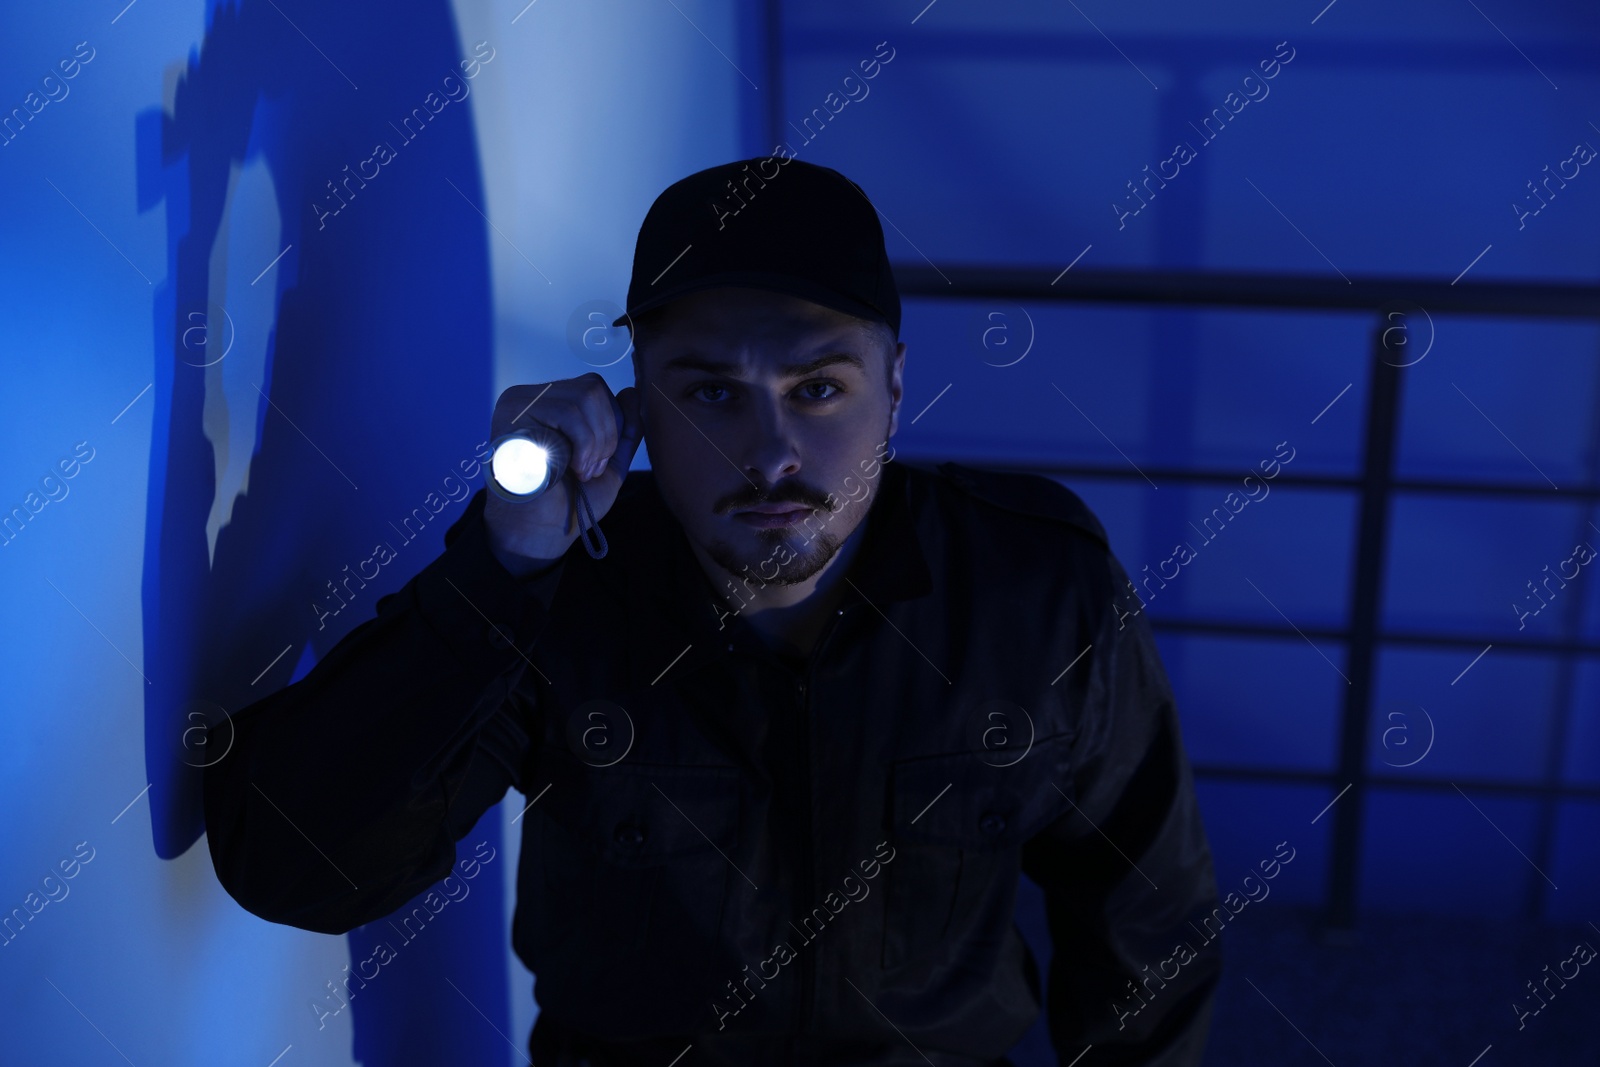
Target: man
790	738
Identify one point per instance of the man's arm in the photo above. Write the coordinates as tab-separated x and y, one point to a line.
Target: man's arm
1128	868
344	794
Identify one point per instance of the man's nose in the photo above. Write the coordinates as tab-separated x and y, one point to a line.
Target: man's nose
770	451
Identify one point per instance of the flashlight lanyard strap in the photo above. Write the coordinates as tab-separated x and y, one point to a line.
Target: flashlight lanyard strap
583	500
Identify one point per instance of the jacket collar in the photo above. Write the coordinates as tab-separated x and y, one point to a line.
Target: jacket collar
656	563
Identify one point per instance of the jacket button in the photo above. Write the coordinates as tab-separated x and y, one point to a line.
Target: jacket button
992	824
629	835
500	635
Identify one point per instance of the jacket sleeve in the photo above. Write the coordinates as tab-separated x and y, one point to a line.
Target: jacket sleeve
344	794
1128	868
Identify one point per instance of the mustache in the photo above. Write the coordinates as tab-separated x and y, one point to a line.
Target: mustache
802	495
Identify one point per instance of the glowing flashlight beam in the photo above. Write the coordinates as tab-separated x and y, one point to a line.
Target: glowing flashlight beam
521	466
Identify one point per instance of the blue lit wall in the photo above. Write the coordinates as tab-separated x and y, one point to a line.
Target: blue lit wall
255	322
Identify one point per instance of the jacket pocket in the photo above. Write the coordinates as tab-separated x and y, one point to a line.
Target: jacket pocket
958	823
630	856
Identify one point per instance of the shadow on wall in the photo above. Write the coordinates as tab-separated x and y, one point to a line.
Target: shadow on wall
323	366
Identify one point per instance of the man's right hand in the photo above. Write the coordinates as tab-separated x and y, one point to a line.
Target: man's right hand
529	536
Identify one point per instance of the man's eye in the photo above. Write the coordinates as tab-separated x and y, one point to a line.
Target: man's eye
712	393
835	386
706	386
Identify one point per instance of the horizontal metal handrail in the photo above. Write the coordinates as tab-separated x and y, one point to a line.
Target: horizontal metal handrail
1220	475
1309	776
1538	298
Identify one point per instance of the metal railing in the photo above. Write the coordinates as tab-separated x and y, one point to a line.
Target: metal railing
1374	484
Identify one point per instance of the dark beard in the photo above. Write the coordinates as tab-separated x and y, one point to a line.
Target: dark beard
812	551
810	556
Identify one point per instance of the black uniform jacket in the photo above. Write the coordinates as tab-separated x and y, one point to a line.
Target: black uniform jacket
758	859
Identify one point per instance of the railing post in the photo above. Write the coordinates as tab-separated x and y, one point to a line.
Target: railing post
1391	351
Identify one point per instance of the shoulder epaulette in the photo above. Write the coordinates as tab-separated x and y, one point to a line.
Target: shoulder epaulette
1028	494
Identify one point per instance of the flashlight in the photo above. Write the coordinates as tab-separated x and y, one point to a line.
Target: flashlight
526	462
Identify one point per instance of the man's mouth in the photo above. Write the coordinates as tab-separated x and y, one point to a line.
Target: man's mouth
771	516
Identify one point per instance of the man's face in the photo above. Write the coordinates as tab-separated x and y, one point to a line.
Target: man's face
755	399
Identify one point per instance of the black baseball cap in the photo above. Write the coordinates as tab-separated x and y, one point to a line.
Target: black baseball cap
771	222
